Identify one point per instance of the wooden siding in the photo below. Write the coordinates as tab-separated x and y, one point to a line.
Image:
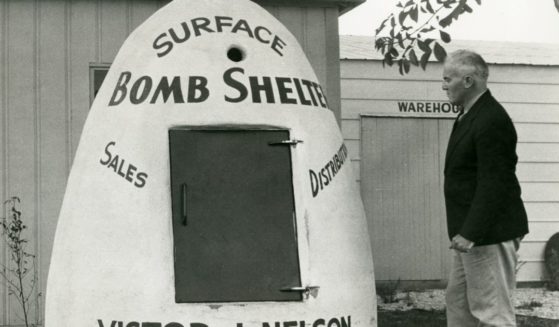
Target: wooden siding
316	29
46	48
531	96
402	193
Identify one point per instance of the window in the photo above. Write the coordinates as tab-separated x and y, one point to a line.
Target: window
97	73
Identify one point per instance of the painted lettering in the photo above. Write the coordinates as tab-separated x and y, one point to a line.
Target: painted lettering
115	323
144	89
108	153
185	31
196	88
198	84
164	42
266	87
278	44
100	322
230	81
308	85
242	25
301	93
123	169
278	88
167	46
327	172
314	182
333	322
284	90
120	89
427	107
221	22
199	24
164	90
141	180
259	37
319	322
144	84
320	94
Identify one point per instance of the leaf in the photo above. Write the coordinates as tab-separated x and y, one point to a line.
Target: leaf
400	40
429	7
388	59
406	66
379	43
425	59
423	46
440	52
414	14
413	58
478	2
400	67
461	7
445	37
468	9
402	17
381	27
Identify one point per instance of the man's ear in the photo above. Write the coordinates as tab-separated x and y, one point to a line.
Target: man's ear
468	81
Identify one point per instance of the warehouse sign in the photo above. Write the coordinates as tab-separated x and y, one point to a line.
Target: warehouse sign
429	107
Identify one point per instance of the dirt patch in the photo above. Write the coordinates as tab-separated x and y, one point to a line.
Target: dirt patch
417	317
533	302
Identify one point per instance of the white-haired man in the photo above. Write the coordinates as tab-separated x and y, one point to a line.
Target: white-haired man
485	214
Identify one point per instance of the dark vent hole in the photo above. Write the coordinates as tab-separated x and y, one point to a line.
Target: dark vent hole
235	54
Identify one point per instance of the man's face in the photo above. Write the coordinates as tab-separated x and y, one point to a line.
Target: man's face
453	84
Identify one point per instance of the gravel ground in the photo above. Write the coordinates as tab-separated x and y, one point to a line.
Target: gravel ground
527	301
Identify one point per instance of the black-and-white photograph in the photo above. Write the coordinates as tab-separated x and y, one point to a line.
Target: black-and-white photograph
279	163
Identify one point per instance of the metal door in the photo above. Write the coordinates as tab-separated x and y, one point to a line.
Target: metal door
233	216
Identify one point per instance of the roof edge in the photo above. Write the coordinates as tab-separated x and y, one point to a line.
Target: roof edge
342	5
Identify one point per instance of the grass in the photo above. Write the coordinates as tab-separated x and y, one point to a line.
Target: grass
422	318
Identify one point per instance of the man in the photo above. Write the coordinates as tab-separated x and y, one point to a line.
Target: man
485	215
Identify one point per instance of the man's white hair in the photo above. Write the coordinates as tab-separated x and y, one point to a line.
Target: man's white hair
467	61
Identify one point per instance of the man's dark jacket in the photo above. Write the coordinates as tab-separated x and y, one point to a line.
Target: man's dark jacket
482	193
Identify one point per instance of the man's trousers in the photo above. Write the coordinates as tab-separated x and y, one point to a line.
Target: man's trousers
480	286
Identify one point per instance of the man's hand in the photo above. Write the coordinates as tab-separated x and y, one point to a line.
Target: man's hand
461	244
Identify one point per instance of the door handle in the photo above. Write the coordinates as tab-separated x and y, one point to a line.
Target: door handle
183	204
292	142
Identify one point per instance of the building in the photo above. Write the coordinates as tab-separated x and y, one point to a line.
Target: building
397	128
54	54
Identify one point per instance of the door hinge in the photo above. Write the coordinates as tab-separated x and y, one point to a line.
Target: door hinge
306	290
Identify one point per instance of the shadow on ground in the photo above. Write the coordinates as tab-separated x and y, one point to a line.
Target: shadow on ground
420	318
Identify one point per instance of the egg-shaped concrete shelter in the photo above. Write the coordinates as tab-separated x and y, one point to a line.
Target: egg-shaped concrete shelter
211	186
